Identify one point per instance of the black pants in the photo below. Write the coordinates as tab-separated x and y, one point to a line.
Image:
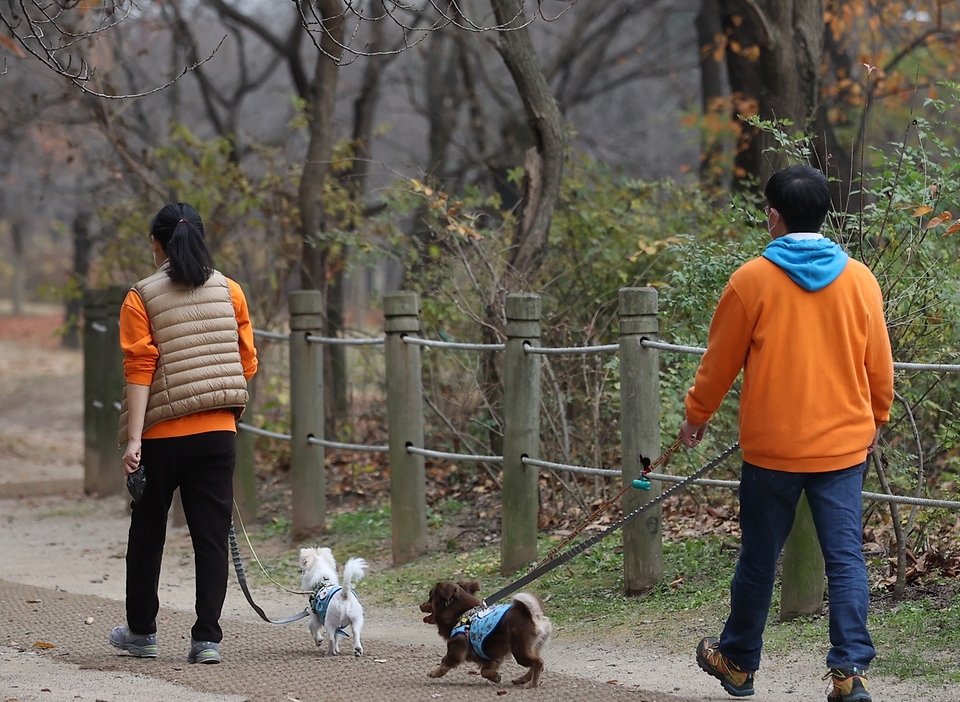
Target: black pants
201	465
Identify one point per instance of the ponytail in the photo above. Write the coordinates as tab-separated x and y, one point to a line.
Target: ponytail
179	230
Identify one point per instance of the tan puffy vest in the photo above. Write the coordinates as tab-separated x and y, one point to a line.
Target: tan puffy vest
199	367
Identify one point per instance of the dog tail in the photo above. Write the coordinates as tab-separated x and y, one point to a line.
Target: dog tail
543	625
352	572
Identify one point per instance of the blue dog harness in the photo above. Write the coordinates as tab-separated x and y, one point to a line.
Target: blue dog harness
478	624
320	601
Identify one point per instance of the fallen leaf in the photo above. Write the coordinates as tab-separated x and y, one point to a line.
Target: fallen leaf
43	644
379	660
501	692
614	682
34	601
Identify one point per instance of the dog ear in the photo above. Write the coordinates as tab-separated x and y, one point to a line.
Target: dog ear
308	557
471	586
444	592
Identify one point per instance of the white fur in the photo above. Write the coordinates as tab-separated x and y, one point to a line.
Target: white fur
318	565
544	626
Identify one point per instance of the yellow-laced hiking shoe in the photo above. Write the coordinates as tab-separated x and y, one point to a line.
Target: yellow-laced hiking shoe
735	681
849	685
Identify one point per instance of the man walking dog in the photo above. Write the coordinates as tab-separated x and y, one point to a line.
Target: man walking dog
805	324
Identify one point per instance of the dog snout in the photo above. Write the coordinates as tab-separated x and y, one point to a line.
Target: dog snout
427	607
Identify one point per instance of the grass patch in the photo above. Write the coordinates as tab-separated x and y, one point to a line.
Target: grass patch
919	639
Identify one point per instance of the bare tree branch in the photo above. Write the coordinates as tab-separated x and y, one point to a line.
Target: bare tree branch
43	30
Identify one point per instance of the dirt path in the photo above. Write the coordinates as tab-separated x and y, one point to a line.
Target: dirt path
75	545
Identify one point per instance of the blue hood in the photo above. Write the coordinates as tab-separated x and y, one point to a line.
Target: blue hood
811	263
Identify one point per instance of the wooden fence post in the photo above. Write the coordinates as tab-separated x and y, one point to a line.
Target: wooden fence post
802	576
640	435
110	480
94	347
307	469
521	437
408	483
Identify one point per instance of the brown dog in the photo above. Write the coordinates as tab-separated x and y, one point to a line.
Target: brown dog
485	635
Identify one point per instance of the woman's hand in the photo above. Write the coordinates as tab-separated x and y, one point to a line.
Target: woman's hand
131	456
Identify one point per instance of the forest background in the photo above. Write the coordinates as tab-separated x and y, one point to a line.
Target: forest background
467	150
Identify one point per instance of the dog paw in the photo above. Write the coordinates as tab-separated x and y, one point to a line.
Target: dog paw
358	651
436	673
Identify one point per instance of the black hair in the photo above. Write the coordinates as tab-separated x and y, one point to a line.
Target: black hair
801	195
179	230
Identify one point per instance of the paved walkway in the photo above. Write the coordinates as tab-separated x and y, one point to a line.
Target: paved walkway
262	662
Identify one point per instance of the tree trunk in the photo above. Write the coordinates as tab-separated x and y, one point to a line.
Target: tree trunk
323	93
543	162
835	158
774	52
713	92
315	271
81	267
20	267
353	180
543	165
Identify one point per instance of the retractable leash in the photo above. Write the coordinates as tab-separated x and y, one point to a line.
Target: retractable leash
241	576
544	568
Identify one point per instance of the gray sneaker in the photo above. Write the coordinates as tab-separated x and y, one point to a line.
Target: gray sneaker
139	645
203	652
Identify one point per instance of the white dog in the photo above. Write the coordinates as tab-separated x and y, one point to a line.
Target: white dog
332	607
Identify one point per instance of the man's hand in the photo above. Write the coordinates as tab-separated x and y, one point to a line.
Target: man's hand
873	444
691	434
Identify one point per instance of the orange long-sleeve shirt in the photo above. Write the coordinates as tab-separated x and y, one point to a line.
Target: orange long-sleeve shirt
817	367
140	363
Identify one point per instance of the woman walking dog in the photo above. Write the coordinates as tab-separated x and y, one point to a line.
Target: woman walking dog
188	345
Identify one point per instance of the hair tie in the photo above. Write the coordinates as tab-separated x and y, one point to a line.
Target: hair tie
183	221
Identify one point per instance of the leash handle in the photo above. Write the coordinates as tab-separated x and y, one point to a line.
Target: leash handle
542	569
661	459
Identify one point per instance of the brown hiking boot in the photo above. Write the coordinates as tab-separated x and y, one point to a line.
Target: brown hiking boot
849	685
735	681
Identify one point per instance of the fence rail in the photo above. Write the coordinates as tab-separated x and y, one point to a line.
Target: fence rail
457	345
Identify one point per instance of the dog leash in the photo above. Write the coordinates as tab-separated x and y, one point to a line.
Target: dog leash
544	568
241	576
641	484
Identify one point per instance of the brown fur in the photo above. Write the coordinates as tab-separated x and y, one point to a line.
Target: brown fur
522	632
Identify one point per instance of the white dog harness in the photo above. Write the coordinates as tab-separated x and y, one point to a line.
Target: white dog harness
478	624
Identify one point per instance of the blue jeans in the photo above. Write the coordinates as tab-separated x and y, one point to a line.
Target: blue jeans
768	504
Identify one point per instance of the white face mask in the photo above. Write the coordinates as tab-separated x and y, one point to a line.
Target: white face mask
157	250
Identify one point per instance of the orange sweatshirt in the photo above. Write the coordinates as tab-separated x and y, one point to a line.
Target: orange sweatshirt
817	367
140	363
